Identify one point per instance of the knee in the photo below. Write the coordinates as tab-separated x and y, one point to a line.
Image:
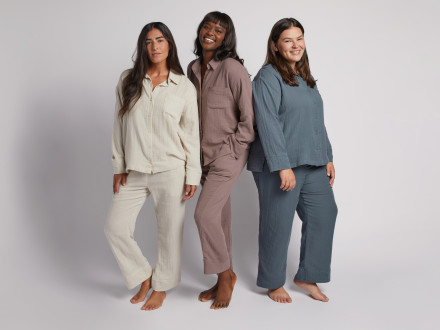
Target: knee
112	230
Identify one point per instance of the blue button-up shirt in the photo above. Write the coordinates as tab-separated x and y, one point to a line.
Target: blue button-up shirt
290	123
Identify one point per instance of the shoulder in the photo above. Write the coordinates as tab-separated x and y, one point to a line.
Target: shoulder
235	70
268	73
186	87
190	65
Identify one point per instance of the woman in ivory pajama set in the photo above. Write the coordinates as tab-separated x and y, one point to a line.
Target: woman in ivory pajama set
155	150
291	160
226	127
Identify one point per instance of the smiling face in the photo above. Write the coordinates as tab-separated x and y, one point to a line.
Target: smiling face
211	36
157	46
291	45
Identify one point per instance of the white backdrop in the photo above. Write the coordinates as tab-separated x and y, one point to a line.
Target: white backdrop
377	68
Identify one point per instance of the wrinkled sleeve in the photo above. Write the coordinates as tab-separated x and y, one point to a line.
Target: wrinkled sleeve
118	155
189	135
329	148
267	100
241	88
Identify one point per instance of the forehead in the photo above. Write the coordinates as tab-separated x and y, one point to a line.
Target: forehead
292	32
153	34
214	24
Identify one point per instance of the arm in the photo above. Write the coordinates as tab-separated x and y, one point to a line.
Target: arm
118	155
267	101
189	136
241	88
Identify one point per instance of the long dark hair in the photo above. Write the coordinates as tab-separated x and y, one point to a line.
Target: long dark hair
273	57
132	84
229	46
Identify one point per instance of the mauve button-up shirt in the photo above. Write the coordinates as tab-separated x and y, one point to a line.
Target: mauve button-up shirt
290	124
226	113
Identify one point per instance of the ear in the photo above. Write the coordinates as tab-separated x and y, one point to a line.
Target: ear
275	48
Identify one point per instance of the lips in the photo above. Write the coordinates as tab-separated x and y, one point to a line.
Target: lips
208	40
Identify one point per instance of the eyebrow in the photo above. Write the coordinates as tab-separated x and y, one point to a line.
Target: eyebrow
160	37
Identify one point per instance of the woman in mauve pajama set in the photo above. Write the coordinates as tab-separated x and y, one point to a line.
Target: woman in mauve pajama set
292	163
226	118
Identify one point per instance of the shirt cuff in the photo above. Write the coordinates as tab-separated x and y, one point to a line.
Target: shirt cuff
118	166
277	163
193	177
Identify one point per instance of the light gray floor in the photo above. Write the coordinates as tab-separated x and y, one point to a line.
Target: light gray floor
65	283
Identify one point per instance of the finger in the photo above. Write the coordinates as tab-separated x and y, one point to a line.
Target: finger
124	179
187	189
117	185
191	193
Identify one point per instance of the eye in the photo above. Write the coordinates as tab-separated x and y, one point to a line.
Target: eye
218	31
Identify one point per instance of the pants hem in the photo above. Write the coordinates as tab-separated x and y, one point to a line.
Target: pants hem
216	268
138	277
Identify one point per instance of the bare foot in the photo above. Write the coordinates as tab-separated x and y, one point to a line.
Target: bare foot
312	289
209	294
155	301
142	294
279	295
226	282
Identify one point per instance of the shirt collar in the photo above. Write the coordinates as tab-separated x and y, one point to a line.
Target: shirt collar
172	77
197	66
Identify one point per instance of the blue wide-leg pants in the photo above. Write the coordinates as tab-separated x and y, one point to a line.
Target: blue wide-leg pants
314	201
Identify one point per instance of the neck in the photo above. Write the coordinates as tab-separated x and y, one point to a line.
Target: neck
158	69
207	57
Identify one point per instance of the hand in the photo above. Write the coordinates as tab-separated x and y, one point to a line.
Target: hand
189	191
118	178
288	180
330	172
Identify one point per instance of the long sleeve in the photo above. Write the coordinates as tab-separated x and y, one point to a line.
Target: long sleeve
267	100
241	88
118	155
189	135
329	147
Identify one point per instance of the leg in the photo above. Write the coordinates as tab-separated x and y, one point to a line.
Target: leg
167	189
119	229
213	219
317	210
277	209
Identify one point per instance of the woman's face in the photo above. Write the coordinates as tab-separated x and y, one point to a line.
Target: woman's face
157	46
291	45
211	36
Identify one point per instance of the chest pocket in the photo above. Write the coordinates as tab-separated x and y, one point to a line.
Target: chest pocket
219	98
173	107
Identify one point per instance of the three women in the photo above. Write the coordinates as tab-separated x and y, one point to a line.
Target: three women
156	141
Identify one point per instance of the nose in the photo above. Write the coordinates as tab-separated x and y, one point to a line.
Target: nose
294	44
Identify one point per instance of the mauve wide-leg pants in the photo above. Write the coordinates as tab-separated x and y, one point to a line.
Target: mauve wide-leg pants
213	210
314	201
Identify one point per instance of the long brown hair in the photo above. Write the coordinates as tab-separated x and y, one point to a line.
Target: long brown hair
273	57
229	45
132	84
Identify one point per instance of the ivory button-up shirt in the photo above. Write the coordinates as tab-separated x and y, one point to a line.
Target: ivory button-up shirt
225	108
161	131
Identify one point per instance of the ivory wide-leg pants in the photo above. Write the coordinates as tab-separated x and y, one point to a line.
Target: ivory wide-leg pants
314	201
167	189
213	211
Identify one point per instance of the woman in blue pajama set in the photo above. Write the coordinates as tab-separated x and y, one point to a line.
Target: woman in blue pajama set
292	163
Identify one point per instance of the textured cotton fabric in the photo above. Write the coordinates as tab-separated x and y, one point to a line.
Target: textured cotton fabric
290	121
225	107
213	211
161	131
167	189
314	201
